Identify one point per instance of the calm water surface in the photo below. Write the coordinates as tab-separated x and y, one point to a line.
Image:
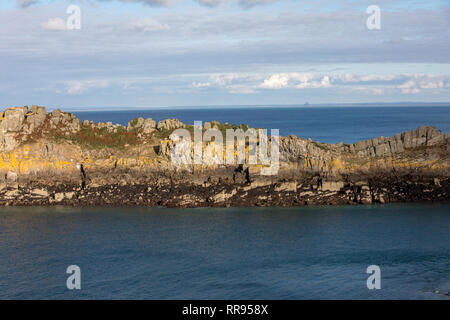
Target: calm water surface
236	253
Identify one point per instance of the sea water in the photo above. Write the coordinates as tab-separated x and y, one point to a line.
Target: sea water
324	124
236	253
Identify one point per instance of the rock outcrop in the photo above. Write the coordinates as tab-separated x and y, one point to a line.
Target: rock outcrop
169	124
66	121
54	159
382	147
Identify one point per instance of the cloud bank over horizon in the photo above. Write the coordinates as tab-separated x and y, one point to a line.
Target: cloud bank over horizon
148	53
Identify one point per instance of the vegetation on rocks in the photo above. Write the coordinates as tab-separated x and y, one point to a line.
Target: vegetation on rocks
97	138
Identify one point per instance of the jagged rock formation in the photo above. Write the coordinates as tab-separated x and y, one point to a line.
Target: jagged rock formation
379	152
53	158
169	124
147	125
382	147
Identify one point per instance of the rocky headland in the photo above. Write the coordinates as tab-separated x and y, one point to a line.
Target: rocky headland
55	159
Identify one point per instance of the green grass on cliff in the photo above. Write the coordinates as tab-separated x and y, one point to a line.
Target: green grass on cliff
163	133
94	138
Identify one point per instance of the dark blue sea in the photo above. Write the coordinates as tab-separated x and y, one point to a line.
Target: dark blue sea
235	253
321	123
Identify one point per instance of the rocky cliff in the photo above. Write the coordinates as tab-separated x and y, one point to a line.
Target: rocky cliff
53	158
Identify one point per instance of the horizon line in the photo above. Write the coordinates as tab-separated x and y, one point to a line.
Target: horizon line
237	106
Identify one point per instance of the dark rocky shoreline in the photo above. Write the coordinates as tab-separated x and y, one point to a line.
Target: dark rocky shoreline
262	193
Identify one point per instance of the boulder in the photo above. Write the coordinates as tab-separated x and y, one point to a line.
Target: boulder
257	184
149	126
332	186
12	119
69	195
286	186
67	121
207	125
56	116
39	192
11	176
135	123
59	197
35	118
223	196
12	194
169	124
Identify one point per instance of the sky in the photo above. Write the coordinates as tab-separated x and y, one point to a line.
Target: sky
159	53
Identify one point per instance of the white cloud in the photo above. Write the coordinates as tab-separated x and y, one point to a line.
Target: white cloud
354	78
147	25
230	82
373	84
276	81
409	87
377	77
284	80
422	82
324	83
295	79
222	80
80	86
201	84
431	84
57	24
371	91
411	91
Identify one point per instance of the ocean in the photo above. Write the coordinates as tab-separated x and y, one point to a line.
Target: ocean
238	253
235	253
324	124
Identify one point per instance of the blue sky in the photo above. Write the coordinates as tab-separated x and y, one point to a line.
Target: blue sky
156	53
